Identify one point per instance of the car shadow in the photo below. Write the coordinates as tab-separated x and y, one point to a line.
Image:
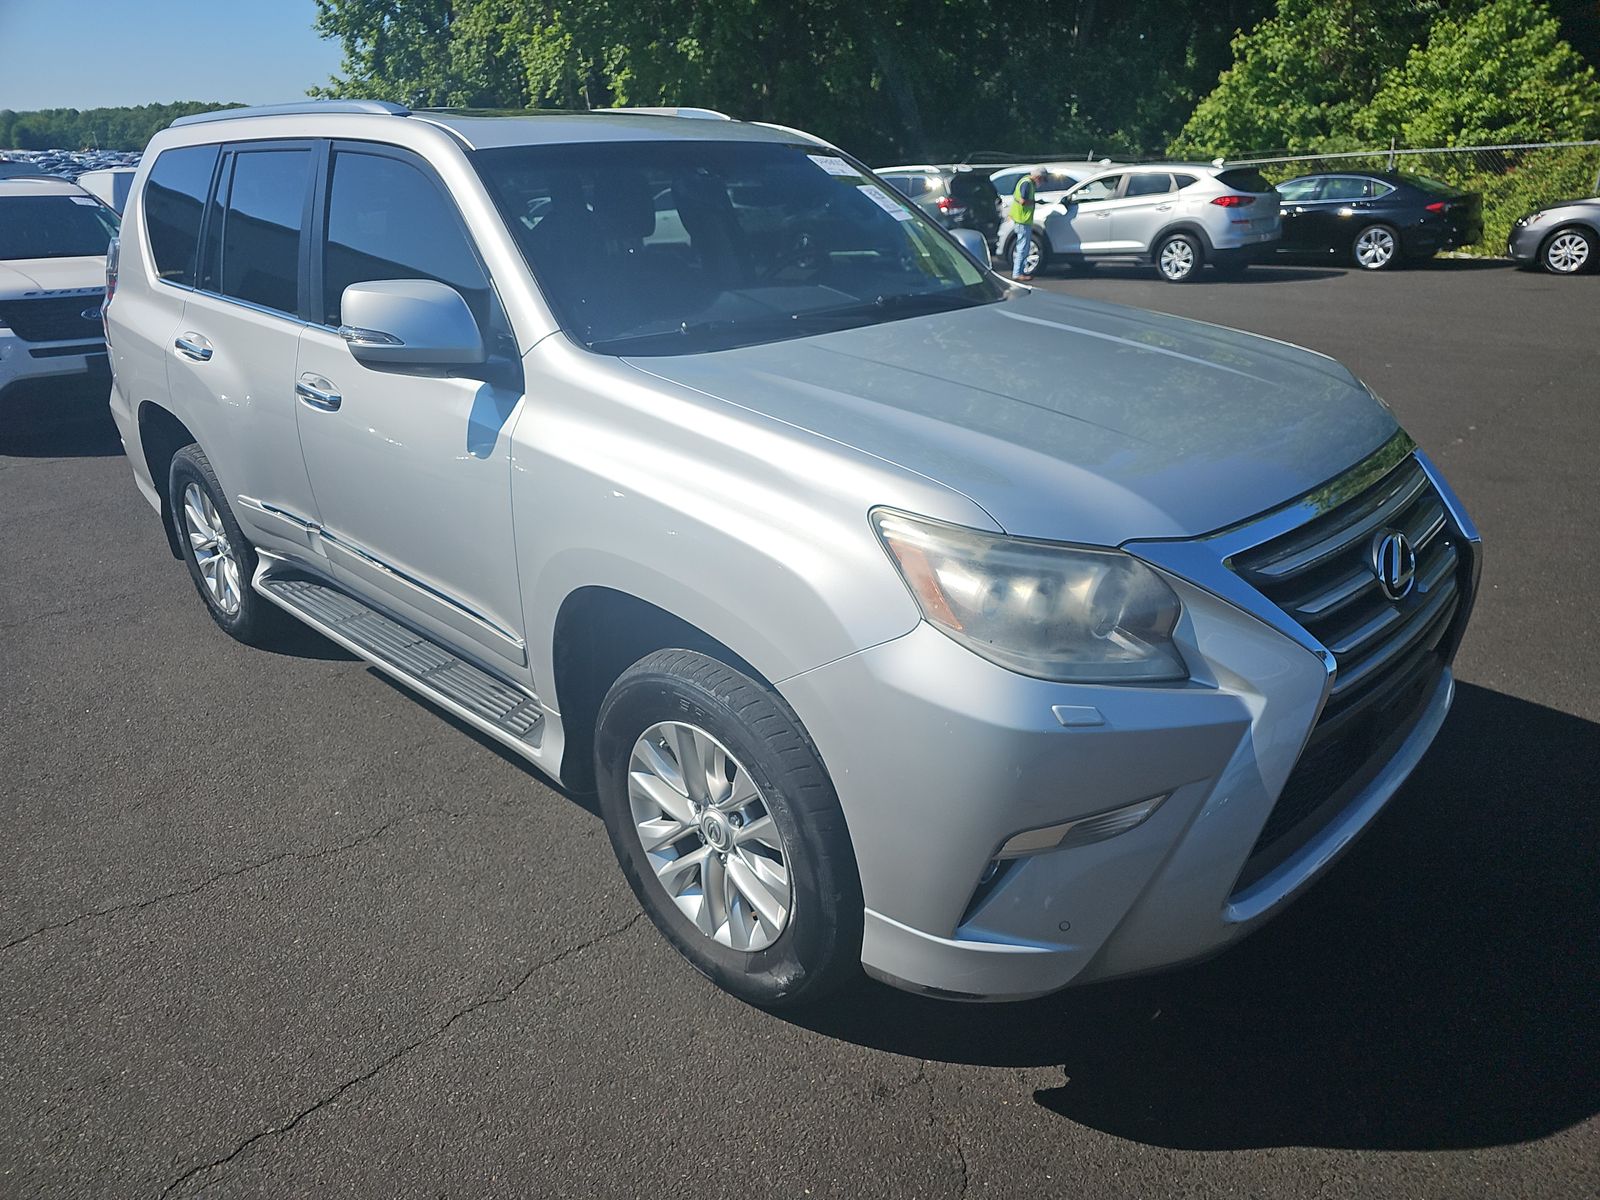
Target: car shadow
1436	991
58	420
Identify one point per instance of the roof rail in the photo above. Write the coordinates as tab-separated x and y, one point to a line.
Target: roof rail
298	107
703	114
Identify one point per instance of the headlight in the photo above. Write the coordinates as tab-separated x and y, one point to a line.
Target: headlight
1054	612
1532	219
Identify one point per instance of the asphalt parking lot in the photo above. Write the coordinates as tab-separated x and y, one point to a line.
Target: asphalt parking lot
271	926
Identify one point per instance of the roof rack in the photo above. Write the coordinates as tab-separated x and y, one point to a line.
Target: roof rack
704	114
298	107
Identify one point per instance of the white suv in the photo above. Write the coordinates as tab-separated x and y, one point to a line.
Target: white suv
901	617
53	239
1179	216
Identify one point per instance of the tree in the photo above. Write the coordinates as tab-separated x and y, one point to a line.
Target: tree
1498	73
1299	78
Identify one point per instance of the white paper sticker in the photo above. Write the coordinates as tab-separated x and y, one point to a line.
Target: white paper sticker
893	207
832	164
84	200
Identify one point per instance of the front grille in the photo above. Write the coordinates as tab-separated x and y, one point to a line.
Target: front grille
1387	653
53	318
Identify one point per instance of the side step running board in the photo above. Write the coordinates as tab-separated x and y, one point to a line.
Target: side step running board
455	684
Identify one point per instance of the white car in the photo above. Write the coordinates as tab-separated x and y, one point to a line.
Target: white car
1060	177
1177	216
53	239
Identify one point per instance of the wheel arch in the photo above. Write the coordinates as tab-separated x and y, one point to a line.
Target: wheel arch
1189	226
162	435
599	633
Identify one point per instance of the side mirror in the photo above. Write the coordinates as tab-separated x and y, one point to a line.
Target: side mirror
409	322
974	244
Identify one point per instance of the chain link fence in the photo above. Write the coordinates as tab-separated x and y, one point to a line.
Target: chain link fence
1515	179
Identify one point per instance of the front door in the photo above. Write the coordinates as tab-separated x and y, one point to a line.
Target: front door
1085	226
411	468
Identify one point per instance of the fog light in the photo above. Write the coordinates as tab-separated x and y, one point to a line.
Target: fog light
1081	831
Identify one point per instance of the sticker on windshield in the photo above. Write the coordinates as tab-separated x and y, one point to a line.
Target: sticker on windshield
84	200
876	195
833	165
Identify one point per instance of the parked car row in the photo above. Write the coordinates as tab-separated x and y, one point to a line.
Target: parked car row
1180	217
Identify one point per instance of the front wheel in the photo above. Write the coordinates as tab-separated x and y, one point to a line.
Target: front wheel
1376	248
1568	252
728	829
1038	257
1179	258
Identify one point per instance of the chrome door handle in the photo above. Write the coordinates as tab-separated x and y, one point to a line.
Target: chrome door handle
316	392
192	346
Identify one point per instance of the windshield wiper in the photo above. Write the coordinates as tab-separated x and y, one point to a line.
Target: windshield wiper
902	305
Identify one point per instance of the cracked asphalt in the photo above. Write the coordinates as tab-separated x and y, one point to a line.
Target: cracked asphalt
272	926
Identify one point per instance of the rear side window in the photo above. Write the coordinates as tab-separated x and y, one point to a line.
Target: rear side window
174	198
1182	181
1149	183
1244	179
387	220
261	228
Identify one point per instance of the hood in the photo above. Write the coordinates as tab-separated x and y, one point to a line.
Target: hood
1065	419
19	276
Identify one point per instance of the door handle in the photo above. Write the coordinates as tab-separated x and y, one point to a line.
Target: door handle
1163	208
192	346
316	392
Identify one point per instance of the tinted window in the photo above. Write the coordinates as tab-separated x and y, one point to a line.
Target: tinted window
1244	179
1182	181
972	189
54	227
174	199
261	231
1097	189
1432	186
1152	183
907	185
1345	187
387	220
676	247
1299	189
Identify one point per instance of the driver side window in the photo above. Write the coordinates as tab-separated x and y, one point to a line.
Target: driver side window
1097	189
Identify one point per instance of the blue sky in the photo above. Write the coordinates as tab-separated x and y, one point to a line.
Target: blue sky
89	53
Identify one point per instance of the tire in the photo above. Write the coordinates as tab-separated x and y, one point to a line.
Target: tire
1179	258
1376	248
1569	251
771	769
200	513
1038	256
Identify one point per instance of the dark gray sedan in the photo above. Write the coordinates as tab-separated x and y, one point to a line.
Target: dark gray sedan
1564	239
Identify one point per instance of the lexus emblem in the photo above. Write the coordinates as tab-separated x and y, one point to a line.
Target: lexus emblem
90	314
1394	562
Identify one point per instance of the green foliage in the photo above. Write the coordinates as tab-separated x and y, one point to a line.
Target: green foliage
105	128
1498	73
1300	78
1541	178
887	79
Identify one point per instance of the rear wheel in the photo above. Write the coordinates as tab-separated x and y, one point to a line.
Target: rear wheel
728	829
1376	248
1179	258
220	560
1568	252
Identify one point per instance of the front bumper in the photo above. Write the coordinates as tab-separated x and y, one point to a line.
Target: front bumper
939	757
1523	244
22	361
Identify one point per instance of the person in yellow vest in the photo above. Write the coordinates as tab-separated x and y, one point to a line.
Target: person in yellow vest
1021	214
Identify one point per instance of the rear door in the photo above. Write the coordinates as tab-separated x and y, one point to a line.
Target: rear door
411	468
1147	203
230	365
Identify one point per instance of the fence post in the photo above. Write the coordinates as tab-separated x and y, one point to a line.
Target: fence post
1391	154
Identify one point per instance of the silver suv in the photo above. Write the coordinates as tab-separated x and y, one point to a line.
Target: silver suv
1179	216
901	618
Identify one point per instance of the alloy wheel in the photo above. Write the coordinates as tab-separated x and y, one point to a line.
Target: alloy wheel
1177	259
213	553
1567	253
709	836
1375	248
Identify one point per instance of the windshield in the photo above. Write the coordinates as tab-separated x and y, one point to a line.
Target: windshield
673	247
54	226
